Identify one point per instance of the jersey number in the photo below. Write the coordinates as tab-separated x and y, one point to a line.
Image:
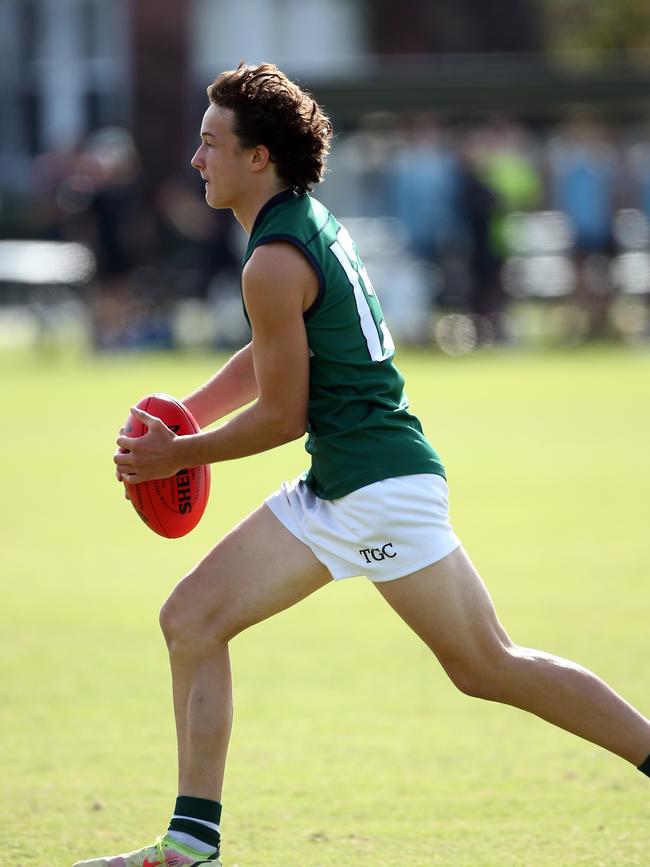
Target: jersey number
375	331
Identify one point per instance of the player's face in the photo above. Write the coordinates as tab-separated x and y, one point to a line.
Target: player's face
221	160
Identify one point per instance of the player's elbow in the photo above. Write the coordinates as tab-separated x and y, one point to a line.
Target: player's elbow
284	423
290	428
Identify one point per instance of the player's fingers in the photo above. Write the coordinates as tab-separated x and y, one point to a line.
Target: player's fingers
121	477
124	461
134	478
126	443
147	419
120	474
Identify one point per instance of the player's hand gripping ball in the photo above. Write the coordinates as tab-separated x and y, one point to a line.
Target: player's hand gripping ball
173	506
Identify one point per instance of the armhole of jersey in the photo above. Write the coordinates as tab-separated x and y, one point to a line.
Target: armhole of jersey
304	249
241	292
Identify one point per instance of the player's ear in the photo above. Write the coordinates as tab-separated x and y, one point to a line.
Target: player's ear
260	157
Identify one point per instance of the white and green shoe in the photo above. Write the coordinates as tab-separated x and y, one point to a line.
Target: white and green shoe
164	852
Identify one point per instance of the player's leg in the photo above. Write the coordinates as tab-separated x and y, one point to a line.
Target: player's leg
257	570
448	606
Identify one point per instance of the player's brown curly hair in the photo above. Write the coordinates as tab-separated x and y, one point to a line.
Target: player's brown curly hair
271	110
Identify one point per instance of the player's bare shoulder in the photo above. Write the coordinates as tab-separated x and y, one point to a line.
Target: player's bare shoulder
282	274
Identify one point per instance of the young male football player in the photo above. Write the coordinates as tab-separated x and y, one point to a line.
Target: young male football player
374	500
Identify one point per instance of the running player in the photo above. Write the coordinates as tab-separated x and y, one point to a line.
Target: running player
374	501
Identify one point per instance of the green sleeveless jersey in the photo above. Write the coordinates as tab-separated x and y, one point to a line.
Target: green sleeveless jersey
359	428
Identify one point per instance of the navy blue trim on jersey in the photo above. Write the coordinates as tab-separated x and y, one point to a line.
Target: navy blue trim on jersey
291	239
243	303
322	228
277	199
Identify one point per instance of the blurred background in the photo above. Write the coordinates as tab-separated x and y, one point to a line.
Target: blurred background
492	162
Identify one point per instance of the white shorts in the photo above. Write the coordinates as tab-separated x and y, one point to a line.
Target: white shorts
384	530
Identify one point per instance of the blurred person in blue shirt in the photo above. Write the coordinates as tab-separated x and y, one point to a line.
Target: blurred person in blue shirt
426	189
584	171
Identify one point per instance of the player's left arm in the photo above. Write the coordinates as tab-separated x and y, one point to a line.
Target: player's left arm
278	285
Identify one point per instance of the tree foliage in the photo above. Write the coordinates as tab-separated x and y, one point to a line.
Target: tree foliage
599	30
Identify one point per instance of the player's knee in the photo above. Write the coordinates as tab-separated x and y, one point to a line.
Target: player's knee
483	675
190	627
183	624
171	619
469	681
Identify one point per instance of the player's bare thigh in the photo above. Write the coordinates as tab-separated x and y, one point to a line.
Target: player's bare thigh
255	571
448	606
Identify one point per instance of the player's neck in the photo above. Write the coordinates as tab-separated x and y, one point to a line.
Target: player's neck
246	211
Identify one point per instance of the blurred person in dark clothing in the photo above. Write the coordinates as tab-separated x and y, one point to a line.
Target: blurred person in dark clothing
195	246
91	194
120	236
479	208
115	202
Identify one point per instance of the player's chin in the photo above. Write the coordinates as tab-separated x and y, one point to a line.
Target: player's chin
213	199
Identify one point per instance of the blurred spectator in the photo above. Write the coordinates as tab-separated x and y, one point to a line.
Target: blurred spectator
638	158
123	318
115	201
479	207
508	167
583	174
195	243
497	175
359	181
200	252
92	194
426	188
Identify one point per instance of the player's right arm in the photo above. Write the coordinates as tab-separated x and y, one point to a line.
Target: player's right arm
231	388
278	284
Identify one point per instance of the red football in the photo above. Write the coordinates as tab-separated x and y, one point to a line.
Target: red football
174	506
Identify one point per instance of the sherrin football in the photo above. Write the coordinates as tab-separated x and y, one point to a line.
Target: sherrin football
174	506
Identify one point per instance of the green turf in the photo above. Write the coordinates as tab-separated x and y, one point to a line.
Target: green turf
350	747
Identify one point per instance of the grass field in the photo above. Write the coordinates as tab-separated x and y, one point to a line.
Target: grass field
350	747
